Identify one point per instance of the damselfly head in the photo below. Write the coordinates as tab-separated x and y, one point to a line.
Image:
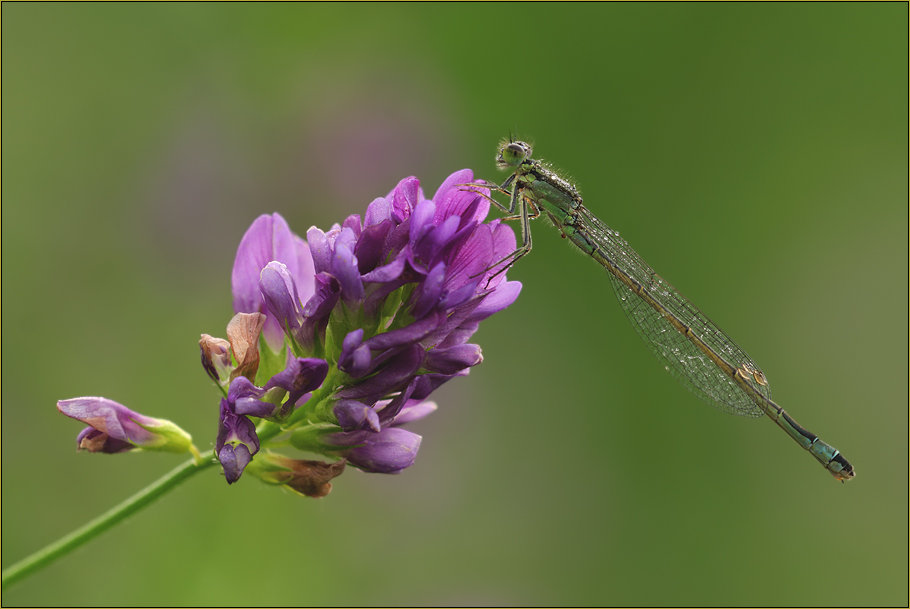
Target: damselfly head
511	154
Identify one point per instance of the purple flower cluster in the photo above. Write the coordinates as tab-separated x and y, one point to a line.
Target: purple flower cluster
339	340
386	303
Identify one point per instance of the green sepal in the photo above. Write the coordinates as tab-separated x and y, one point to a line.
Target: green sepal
308	437
270	362
330	352
391	308
170	437
268	470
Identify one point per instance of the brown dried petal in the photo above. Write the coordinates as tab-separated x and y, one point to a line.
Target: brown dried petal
311	478
243	333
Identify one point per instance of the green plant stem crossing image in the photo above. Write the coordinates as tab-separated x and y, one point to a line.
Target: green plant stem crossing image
696	352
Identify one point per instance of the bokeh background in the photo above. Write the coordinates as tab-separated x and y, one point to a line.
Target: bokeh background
754	154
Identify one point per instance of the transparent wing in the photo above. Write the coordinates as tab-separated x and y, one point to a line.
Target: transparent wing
680	356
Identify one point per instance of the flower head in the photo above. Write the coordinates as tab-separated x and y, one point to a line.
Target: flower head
339	340
386	303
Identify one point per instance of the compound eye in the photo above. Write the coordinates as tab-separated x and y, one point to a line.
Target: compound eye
514	153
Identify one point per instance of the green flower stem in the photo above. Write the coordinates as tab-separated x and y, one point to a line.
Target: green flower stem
266	430
47	555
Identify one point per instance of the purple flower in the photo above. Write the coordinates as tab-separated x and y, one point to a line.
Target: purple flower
387	452
269	239
237	440
114	428
380	310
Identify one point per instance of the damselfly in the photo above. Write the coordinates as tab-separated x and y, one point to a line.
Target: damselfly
695	351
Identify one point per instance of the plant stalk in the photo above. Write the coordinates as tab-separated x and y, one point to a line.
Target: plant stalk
89	531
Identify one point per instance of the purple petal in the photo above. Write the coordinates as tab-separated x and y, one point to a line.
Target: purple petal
413	333
455	319
388	411
504	295
462	176
353	415
305	272
377	212
256	249
429	291
461	295
317	309
397	240
387	452
469	262
386	273
233	460
413	412
392	375
434	241
404	198
428	383
471	211
453	359
242	387
94	441
466	202
352	222
280	294
422	221
320	250
355	356
254	408
370	245
347	438
458	335
503	245
328	290
109	417
234	430
344	267
302	375
267	239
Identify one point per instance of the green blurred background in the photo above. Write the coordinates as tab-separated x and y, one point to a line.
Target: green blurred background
754	154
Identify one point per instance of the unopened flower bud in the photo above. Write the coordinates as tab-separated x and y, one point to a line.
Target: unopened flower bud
115	428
